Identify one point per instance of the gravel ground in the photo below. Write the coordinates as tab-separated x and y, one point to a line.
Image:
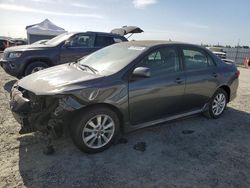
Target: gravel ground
191	152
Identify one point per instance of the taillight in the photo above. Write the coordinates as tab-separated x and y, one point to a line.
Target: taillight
237	74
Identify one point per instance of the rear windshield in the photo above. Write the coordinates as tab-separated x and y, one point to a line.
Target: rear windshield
113	58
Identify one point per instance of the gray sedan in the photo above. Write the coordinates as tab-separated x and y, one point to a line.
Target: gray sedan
121	88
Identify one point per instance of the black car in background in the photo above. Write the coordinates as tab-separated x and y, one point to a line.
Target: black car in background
20	61
8	42
124	87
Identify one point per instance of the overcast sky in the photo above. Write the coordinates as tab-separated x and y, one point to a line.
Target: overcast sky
194	21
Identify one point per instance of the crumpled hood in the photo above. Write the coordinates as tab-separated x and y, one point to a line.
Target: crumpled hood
27	47
56	80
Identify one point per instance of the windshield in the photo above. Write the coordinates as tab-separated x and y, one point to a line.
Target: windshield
58	39
113	58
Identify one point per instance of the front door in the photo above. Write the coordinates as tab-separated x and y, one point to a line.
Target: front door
79	46
161	94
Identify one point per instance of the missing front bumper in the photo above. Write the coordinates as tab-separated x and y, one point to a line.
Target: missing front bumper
41	113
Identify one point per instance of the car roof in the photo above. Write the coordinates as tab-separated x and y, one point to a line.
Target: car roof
153	43
103	33
100	33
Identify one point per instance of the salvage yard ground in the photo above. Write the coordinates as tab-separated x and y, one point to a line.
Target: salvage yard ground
192	152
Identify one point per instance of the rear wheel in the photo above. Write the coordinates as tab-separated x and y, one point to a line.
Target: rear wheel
35	67
217	104
95	129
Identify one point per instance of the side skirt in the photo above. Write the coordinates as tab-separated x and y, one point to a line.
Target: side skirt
129	127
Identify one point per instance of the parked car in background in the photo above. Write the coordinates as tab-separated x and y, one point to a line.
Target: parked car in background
124	87
19	42
8	42
67	47
5	43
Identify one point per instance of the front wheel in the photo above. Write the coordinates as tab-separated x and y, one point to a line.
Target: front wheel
217	104
35	67
95	130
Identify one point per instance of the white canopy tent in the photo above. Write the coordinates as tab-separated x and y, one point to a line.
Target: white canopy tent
44	30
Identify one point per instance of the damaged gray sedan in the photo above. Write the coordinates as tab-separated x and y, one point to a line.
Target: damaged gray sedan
121	88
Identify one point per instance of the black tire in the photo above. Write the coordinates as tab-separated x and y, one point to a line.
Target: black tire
32	66
210	113
81	122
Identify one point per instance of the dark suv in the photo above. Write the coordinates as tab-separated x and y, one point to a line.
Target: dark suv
20	61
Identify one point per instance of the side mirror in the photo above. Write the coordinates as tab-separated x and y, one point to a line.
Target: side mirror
66	44
141	72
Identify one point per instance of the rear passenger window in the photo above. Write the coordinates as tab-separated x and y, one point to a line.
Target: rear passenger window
102	41
196	59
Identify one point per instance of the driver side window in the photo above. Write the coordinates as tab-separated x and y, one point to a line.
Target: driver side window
162	61
85	41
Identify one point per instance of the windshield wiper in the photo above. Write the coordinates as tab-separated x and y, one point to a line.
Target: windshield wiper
80	59
83	67
74	62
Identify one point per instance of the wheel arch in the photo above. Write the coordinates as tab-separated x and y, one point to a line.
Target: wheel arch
29	61
110	106
227	90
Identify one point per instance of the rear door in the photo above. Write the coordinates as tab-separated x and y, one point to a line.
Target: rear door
201	77
161	94
79	45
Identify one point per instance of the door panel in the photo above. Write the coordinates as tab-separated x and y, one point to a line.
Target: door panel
72	54
200	86
161	94
154	98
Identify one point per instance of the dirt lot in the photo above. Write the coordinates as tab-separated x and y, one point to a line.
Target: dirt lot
192	152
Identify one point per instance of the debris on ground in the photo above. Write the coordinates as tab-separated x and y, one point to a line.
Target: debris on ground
122	141
140	146
187	131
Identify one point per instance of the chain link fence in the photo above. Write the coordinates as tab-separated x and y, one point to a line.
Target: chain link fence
237	54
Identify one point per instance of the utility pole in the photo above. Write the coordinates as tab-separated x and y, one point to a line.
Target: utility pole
237	51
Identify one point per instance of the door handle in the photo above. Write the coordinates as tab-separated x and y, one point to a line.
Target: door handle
179	80
214	74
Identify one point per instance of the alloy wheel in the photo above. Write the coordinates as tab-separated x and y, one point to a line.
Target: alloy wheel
98	131
36	69
219	104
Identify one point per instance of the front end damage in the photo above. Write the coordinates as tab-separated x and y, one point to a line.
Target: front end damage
41	113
